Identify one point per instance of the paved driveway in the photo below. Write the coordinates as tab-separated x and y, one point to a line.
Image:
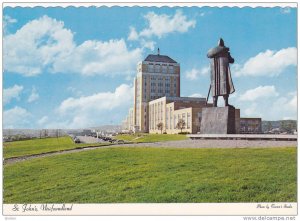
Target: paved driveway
88	139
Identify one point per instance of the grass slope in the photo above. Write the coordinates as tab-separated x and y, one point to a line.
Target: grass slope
140	138
164	175
36	146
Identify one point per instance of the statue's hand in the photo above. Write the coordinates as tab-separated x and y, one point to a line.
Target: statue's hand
230	59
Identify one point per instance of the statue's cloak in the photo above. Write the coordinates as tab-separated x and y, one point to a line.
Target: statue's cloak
221	81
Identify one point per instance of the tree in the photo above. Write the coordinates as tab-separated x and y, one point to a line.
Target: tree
180	125
269	126
286	125
282	125
57	133
160	127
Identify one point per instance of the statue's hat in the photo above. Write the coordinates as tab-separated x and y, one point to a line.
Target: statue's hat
221	42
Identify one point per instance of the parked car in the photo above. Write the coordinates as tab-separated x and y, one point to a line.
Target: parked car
107	139
120	141
112	140
76	140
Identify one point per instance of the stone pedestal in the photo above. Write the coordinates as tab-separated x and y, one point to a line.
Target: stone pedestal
218	120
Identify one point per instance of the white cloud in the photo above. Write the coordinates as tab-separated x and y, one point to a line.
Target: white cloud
147	44
100	58
12	92
251	110
45	44
74	91
195	73
196	95
234	95
287	102
286	106
88	110
16	117
268	63
277	107
7	20
33	96
259	93
133	35
36	45
285	10
43	120
162	25
292	103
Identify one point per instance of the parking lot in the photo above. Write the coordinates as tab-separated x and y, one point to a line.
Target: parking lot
89	139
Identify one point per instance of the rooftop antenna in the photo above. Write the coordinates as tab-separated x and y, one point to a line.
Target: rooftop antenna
158	52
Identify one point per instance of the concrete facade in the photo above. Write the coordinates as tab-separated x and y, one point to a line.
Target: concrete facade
157	76
128	123
168	110
250	126
218	120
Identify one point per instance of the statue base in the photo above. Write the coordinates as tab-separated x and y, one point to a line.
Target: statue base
218	120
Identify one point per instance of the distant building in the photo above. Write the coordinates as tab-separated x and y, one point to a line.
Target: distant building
86	132
157	76
125	123
250	125
130	120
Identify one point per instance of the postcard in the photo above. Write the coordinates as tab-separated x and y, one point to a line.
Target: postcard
149	109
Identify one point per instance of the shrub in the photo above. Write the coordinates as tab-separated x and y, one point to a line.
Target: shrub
184	133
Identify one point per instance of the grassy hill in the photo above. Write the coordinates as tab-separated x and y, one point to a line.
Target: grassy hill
37	146
155	175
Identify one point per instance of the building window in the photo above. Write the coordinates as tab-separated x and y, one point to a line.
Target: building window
150	68
171	69
175	121
183	117
157	68
188	125
164	69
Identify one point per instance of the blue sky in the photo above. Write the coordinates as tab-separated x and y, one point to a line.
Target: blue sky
74	67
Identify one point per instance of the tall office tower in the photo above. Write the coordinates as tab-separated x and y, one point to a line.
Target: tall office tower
157	76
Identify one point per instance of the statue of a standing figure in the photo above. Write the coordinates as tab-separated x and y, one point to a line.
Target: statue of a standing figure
221	81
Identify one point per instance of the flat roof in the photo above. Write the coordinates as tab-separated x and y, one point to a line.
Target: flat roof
250	118
159	58
180	99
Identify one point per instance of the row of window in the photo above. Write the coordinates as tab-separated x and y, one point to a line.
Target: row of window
158	69
156	117
159	78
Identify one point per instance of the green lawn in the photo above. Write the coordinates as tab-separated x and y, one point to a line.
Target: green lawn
36	146
155	175
140	138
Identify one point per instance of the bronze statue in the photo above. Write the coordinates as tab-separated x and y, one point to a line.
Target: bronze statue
221	81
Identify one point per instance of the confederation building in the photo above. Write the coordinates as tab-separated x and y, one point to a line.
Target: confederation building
157	101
